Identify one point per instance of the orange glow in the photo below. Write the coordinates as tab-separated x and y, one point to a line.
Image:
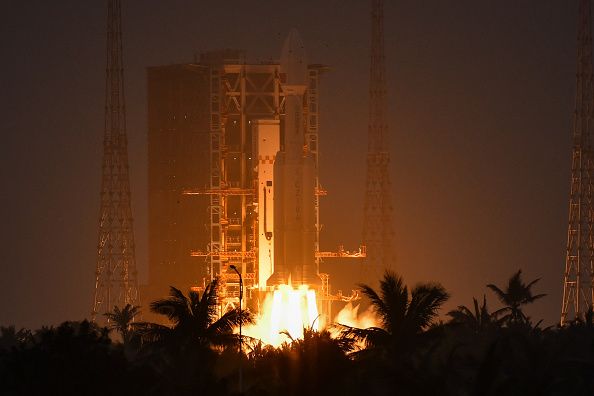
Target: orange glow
290	310
349	316
286	309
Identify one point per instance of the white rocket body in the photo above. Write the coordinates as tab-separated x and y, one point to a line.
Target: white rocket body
294	179
266	135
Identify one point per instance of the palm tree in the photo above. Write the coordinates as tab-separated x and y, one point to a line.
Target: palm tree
314	339
184	353
403	317
478	321
314	364
121	320
195	318
516	295
394	349
10	337
63	360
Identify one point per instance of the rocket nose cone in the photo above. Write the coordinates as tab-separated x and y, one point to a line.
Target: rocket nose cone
293	62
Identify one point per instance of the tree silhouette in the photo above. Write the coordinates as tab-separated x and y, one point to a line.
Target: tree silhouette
393	349
11	338
479	319
185	353
314	364
408	353
73	358
516	295
402	316
121	320
195	318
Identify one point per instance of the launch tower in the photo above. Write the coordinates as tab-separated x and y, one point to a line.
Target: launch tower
377	221
116	278
216	128
578	278
247	103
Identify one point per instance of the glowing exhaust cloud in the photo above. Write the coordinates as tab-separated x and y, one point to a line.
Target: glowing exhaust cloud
285	310
350	316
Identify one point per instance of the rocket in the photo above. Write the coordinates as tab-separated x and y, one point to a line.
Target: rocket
294	179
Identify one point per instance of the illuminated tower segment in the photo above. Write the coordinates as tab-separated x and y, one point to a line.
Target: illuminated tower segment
579	273
377	222
116	278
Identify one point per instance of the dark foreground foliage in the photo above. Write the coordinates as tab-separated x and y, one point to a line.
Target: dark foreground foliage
477	352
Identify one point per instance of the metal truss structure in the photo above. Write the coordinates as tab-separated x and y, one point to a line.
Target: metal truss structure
116	277
578	280
377	222
240	93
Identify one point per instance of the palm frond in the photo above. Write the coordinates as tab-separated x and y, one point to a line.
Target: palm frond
375	299
392	302
426	299
461	315
230	320
193	302
207	308
395	296
477	310
501	311
531	299
150	332
529	285
175	307
501	295
370	337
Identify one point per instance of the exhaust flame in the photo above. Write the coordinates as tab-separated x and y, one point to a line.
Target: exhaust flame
286	311
289	310
350	316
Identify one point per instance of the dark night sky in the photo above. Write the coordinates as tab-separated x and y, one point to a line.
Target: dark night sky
480	97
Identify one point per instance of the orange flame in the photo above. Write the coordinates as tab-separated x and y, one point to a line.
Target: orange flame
350	316
286	310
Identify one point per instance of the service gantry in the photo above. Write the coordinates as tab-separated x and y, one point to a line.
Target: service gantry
242	94
242	97
115	277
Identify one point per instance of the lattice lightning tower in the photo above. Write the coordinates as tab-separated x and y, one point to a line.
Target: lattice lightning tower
116	278
377	222
579	271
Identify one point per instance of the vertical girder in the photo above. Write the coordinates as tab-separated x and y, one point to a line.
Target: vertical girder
216	172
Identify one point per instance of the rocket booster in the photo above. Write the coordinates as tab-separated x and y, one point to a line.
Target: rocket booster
294	179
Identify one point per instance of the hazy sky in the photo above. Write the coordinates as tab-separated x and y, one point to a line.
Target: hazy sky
480	98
